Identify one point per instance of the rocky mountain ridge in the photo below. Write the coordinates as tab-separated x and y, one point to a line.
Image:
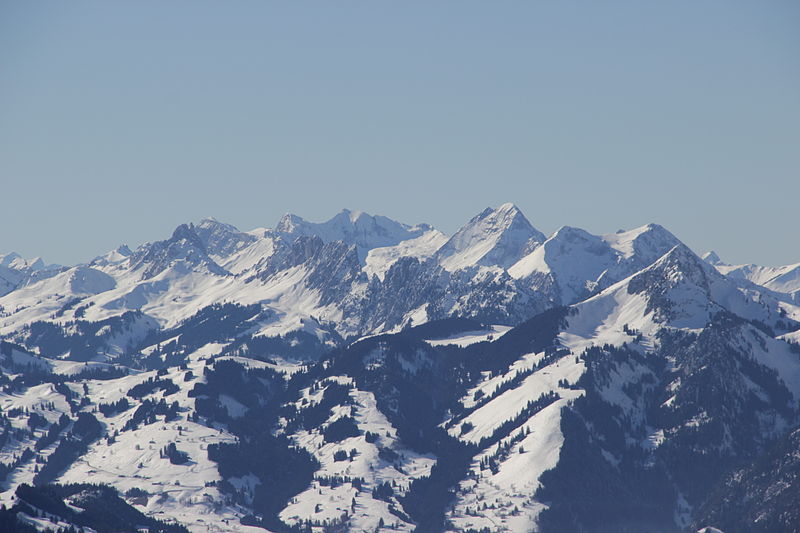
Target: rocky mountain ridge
363	374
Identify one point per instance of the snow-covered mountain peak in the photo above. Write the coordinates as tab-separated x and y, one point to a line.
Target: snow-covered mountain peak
504	215
647	242
507	208
114	257
220	239
9	258
679	264
712	258
212	223
184	246
352	215
16	271
15	261
784	279
289	223
574	264
570	234
497	237
37	263
352	227
687	291
87	280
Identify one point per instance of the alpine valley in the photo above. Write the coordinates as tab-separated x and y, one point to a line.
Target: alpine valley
366	375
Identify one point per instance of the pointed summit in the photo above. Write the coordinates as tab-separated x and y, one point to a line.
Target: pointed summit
184	247
681	261
290	223
680	285
493	237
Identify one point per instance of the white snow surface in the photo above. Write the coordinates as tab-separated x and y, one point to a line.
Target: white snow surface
494	237
581	263
471	337
379	260
785	279
320	502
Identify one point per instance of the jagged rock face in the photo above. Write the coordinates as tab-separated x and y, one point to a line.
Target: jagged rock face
334	271
361	374
183	247
301	250
674	276
408	285
413	291
220	239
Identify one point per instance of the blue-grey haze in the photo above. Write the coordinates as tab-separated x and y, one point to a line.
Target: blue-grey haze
119	121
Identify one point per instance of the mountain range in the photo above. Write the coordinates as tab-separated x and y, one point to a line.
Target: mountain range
363	374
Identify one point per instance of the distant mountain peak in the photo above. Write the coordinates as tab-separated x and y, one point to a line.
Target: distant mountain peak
680	267
570	232
496	236
712	258
215	224
351	215
221	239
15	261
351	227
185	232
9	258
681	257
289	223
184	246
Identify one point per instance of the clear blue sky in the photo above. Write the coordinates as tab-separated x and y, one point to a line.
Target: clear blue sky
119	121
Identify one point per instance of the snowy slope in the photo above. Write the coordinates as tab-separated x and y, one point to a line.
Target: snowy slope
494	237
379	260
15	271
578	264
785	279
